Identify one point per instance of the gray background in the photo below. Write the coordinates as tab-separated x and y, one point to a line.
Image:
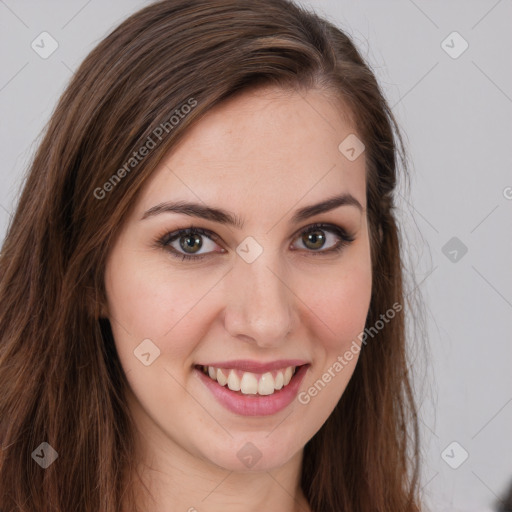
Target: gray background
456	114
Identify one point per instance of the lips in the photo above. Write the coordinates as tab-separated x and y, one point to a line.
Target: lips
253	389
248	365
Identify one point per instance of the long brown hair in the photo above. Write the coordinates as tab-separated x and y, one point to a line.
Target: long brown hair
60	378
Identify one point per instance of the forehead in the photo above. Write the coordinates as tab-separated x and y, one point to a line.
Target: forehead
273	145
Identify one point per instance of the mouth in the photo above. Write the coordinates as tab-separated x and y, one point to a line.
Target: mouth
250	383
253	393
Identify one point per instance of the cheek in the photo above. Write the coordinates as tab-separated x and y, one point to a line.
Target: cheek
338	315
148	302
344	308
341	302
144	297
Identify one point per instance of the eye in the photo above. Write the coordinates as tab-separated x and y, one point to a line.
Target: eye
187	244
316	236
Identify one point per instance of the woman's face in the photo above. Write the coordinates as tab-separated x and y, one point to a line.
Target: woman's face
255	296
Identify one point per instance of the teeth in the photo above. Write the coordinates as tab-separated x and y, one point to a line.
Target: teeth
248	384
266	384
233	381
251	383
279	382
287	375
221	378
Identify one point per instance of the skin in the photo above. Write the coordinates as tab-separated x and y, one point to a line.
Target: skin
262	155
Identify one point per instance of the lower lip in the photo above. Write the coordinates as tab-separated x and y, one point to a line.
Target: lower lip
255	405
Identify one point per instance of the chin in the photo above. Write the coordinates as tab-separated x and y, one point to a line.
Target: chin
252	453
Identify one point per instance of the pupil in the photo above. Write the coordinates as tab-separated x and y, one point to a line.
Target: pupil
189	243
317	238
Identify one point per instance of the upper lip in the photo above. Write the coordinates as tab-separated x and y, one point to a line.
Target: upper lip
248	365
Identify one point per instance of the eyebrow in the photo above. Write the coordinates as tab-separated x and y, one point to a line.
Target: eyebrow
225	217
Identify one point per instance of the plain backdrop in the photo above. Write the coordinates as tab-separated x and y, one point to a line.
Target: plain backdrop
445	69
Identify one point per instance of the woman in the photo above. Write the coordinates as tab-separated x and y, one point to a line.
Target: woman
201	290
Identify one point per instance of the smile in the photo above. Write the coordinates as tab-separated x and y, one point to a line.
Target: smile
249	383
252	389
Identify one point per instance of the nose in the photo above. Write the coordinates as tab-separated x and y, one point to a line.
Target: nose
260	306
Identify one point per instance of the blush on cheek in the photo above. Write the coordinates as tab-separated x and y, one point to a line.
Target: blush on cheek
343	308
146	307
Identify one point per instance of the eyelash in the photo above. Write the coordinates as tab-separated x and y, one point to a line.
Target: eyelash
164	241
